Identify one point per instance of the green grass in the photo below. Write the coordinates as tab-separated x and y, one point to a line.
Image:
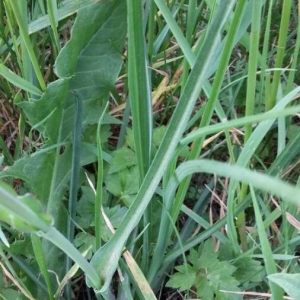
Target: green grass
149	150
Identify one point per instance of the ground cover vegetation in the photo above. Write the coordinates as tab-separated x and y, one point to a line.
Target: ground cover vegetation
149	149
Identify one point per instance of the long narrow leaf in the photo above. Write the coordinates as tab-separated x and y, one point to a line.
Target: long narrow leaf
19	81
277	292
140	100
248	150
139	87
53	16
261	181
25	37
68	8
106	259
197	144
40	259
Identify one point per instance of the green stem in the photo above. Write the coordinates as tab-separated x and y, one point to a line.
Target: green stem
98	197
284	25
250	102
53	16
141	105
74	177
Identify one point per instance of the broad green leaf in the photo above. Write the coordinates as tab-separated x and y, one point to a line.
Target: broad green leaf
158	134
130	139
63	172
92	59
85	208
85	241
248	269
193	258
221	269
45	113
115	215
225	289
130	181
114	184
8	294
124	184
36	170
184	279
101	45
22	247
91	111
93	54
122	159
220	277
92	114
212	274
207	255
86	211
209	275
204	290
289	282
89	137
292	131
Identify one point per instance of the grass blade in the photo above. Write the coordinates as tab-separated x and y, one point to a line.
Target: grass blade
19	81
67	9
141	104
53	16
62	243
40	259
208	112
184	45
139	87
25	37
285	19
106	259
250	103
261	181
277	292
